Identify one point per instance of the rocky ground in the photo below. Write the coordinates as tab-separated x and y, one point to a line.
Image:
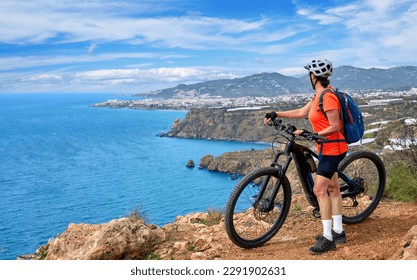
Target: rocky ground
380	237
389	233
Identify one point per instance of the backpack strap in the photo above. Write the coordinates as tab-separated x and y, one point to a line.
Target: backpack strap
321	100
322	110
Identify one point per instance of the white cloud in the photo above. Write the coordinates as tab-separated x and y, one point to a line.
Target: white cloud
293	71
139	74
18	62
27	23
107	74
109	80
176	72
313	14
46	77
381	6
360	33
370	32
91	48
344	11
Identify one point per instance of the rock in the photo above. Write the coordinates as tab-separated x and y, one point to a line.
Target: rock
181	246
119	239
198	256
175	123
185	228
408	250
190	164
237	163
205	161
347	251
203	243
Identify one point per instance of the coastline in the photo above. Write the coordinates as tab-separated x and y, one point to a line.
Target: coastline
217	165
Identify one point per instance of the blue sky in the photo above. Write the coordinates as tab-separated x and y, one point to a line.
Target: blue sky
127	46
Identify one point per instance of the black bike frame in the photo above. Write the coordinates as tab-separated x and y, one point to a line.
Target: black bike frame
350	187
292	151
296	151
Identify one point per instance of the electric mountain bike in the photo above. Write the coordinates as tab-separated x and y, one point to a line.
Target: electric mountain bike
260	202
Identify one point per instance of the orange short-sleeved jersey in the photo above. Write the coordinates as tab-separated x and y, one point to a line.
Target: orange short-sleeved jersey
319	122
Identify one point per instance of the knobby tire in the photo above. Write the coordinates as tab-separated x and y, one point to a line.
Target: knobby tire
247	223
368	168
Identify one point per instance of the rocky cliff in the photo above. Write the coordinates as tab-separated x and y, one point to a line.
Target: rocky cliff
226	124
201	236
221	124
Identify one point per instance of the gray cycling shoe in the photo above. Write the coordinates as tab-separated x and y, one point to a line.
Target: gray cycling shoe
339	238
323	245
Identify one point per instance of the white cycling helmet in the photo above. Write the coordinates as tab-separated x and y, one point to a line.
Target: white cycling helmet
320	67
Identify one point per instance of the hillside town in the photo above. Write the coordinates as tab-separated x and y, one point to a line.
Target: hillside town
187	100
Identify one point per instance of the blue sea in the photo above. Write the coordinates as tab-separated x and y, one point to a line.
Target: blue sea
63	161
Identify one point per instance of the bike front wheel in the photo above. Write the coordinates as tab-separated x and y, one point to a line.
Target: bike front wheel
250	218
366	170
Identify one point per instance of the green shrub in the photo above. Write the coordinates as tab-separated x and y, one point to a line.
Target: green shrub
297	208
152	256
214	217
137	214
401	184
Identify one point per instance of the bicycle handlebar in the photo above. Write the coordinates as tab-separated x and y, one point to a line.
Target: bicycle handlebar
290	129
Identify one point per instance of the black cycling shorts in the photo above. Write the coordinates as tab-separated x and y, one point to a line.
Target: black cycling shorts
328	165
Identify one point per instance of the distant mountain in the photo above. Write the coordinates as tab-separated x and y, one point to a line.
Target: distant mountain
347	78
397	78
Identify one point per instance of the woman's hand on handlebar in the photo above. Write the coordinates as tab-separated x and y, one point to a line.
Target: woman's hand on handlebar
269	117
299	131
306	134
310	136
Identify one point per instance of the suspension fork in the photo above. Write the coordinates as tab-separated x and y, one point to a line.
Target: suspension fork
269	203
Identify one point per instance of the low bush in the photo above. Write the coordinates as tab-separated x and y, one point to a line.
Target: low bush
401	183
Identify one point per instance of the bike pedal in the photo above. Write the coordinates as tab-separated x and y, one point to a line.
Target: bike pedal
316	213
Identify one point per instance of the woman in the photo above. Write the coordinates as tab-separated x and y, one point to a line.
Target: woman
328	124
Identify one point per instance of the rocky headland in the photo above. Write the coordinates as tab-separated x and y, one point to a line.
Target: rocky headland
222	124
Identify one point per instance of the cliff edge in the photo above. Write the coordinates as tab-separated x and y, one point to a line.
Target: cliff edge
389	233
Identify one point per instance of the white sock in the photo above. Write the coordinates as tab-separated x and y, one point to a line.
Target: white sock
327	229
337	223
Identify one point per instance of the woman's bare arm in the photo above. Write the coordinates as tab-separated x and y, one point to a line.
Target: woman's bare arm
333	117
298	113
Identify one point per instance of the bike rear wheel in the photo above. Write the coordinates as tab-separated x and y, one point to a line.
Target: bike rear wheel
367	170
248	223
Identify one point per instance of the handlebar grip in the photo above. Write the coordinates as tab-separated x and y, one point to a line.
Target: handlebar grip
322	138
306	134
312	136
270	122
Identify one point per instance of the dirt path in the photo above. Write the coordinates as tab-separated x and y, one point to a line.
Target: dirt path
378	237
